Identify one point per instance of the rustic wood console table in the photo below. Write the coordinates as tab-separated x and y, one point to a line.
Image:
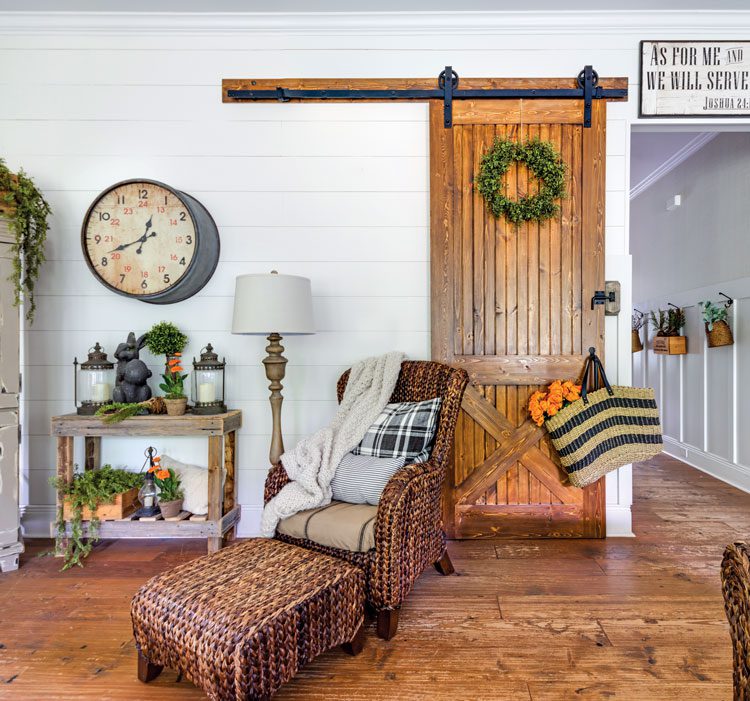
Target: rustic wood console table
221	431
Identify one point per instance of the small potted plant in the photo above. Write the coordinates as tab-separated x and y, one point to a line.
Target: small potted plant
638	319
668	325
26	211
166	339
715	319
174	387
170	491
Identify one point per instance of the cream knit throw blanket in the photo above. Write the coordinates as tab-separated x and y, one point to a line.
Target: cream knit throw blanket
312	464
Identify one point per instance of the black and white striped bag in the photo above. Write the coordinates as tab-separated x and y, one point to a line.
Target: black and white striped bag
606	428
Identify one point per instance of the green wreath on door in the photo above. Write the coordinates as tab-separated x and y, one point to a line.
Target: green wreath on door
543	161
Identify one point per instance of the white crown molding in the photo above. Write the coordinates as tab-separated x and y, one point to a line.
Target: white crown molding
695	144
642	23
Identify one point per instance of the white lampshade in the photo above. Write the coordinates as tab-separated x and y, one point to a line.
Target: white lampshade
271	303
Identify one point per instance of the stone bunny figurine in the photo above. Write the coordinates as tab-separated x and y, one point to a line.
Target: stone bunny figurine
131	384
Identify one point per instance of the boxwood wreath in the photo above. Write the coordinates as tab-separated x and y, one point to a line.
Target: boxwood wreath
543	161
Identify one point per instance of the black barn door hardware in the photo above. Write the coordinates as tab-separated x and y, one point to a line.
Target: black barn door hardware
602	297
447	90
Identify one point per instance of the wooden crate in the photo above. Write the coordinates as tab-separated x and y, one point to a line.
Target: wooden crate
7	209
670	345
123	505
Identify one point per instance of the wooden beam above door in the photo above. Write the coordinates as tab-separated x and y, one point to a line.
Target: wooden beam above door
447	87
228	84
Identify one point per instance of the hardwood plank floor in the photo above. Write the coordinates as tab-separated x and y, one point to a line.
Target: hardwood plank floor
532	620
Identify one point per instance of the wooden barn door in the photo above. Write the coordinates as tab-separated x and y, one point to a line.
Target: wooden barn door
512	305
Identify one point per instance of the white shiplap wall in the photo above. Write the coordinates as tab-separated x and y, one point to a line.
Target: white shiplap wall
338	193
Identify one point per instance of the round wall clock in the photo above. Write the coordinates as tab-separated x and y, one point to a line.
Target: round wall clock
146	240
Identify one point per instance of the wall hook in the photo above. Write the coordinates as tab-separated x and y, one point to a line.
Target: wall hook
673	305
729	301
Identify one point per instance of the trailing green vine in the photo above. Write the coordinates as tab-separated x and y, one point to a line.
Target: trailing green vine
27	219
88	489
542	160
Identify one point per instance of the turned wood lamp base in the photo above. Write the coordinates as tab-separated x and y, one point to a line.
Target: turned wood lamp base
271	301
275	364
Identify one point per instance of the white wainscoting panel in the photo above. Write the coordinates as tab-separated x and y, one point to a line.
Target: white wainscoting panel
703	406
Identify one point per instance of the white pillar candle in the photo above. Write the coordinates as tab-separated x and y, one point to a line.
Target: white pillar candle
101	392
206	392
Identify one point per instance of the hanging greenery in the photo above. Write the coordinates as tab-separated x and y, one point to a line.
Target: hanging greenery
88	489
26	211
542	160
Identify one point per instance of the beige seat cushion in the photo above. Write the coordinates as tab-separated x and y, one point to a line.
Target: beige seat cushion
337	525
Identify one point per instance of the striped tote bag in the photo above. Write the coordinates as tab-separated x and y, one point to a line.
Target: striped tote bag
606	428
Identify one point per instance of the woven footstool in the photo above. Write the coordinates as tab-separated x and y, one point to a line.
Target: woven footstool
242	622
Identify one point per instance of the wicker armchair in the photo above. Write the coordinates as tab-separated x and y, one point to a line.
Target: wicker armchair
409	534
735	583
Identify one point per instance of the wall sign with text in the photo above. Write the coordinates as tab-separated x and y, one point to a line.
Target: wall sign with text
695	79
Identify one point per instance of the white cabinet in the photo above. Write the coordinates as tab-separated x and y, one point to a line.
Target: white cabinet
10	533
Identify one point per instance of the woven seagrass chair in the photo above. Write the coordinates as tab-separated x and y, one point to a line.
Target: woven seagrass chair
408	526
735	584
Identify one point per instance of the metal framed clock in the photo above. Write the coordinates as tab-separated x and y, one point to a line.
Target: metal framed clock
146	240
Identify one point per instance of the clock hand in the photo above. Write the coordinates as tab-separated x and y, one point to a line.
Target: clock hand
141	239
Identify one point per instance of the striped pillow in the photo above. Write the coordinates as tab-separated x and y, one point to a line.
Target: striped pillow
361	479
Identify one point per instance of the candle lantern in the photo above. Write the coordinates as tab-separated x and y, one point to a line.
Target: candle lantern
147	494
208	383
93	381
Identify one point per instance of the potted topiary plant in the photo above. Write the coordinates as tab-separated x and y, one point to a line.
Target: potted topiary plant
174	387
637	321
25	209
166	339
170	492
718	332
668	324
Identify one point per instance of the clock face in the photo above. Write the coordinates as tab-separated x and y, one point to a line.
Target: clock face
139	238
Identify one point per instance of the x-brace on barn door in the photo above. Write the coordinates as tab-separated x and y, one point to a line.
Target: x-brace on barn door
510	303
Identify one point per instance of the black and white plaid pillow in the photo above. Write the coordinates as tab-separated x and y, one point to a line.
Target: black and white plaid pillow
403	430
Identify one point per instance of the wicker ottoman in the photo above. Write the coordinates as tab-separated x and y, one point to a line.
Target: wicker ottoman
241	622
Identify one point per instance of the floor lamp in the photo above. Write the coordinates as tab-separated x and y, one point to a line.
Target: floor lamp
273	305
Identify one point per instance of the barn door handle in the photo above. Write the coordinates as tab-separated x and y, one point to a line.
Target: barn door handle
602	297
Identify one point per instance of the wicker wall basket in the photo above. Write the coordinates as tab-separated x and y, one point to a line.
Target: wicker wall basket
635	341
719	335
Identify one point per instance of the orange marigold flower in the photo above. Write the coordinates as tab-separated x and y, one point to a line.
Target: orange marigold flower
153	468
157	458
162	474
177	368
174	361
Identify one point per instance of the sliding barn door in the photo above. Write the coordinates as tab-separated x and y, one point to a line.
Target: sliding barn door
512	305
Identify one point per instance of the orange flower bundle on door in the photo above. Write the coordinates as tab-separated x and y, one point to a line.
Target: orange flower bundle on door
559	394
